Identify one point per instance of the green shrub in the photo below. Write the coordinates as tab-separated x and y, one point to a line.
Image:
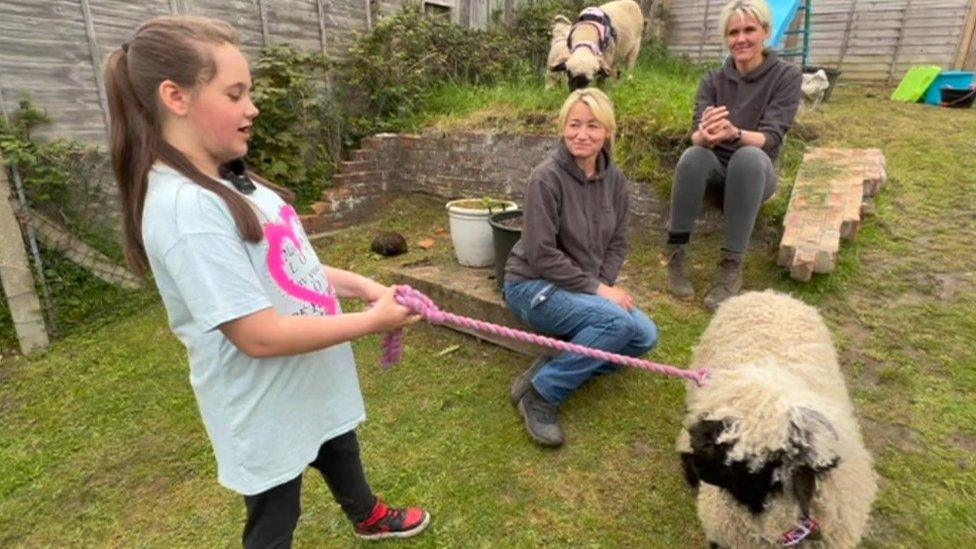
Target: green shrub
295	140
62	178
393	70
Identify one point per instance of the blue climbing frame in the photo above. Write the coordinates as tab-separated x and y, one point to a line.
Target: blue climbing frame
784	13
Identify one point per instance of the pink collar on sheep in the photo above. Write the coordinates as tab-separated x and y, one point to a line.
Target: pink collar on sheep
422	305
806	528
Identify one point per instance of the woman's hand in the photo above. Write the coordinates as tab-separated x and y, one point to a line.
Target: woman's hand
387	315
715	126
617	295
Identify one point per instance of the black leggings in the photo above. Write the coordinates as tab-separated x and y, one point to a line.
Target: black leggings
273	514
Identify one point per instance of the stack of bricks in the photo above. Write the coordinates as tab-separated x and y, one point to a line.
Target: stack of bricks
359	186
833	191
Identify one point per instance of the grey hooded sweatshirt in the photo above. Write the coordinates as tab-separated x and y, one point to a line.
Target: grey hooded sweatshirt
764	99
574	231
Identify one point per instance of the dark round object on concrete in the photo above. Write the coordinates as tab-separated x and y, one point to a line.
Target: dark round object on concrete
389	244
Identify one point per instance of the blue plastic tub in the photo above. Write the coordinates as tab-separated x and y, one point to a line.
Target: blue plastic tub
947	79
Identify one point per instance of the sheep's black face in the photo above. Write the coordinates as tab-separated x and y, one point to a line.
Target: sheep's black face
707	463
577	82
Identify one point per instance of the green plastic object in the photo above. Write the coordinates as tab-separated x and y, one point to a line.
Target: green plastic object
915	82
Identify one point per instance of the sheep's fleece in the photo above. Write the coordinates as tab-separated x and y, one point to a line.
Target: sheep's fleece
773	430
583	67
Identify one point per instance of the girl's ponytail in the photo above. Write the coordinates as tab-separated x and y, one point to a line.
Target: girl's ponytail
164	48
132	154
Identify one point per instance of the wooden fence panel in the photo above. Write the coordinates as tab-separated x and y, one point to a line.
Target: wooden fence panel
296	22
44	54
867	39
54	50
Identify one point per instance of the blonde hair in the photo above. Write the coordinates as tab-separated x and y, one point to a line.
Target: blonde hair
599	104
758	9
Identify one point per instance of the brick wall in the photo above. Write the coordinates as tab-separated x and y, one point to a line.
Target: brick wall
444	165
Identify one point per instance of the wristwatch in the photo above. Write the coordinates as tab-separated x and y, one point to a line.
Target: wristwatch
738	136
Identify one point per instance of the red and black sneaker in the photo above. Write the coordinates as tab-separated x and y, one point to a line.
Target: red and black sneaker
386	522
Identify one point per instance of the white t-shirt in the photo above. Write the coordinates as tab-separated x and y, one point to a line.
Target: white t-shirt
266	417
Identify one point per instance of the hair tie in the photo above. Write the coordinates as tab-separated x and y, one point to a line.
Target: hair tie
125	46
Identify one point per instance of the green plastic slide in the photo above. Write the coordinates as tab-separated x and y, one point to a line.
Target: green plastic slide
913	85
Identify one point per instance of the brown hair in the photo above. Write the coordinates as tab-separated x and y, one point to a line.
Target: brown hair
163	48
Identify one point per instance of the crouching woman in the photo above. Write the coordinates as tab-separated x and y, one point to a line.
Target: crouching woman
743	111
560	277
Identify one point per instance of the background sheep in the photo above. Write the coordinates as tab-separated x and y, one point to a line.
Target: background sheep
583	66
558	48
772	436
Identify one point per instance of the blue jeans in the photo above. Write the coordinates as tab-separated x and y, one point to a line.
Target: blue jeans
586	319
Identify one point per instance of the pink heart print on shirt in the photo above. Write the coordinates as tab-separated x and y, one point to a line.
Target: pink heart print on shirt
277	234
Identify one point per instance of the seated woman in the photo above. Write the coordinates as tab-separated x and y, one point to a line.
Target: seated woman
560	276
742	113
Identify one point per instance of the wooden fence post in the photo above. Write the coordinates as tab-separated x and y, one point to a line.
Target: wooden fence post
966	57
901	40
263	14
16	276
95	61
847	35
704	33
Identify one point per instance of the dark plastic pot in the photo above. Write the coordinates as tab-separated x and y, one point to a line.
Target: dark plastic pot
832	76
959	99
504	239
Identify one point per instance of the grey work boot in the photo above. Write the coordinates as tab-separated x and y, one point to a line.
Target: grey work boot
678	282
729	280
524	380
541	418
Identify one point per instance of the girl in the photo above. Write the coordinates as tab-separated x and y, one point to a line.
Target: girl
561	275
270	360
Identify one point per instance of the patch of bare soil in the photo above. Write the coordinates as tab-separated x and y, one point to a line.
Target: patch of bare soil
880	434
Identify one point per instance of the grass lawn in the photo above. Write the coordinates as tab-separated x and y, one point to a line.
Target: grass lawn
101	443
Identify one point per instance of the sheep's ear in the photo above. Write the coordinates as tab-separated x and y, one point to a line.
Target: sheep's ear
559	64
688	466
813	440
685	452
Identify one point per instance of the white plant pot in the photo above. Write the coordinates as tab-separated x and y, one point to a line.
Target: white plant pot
471	233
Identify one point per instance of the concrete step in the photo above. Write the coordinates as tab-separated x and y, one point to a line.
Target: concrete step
467	292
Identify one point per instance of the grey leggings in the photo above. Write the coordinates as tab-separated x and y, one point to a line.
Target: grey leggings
747	181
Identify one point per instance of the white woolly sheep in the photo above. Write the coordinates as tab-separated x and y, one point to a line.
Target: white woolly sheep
771	438
558	48
581	62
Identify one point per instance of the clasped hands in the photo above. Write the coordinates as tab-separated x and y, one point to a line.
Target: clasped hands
715	126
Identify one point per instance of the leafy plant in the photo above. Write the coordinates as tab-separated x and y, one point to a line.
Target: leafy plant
295	141
393	70
62	178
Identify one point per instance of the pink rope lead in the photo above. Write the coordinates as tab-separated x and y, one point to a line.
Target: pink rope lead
422	305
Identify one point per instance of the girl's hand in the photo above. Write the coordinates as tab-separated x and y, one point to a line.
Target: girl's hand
388	315
616	295
371	291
